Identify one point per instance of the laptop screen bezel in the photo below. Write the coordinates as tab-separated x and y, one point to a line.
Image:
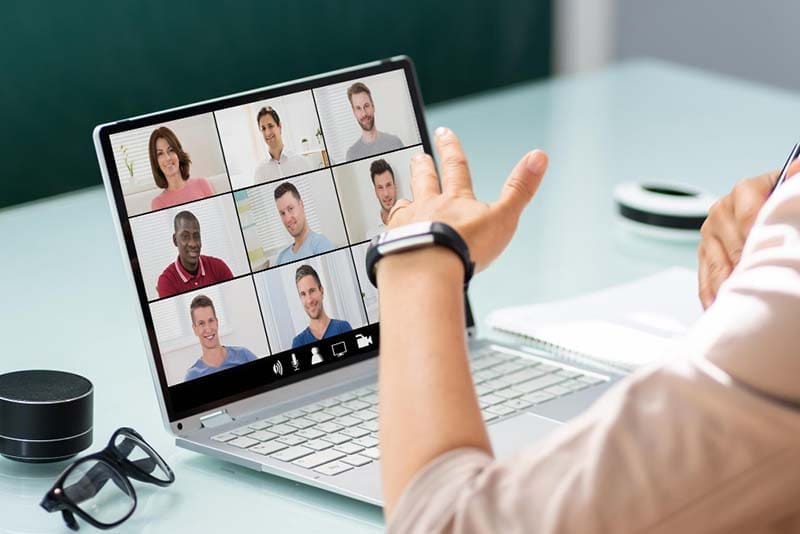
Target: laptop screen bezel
104	133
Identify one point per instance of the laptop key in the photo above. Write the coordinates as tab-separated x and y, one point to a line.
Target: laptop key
355	432
491	398
366	415
337	438
242	431
574	385
333	468
301	422
488	416
558	391
348	420
344	397
320	417
292	440
357	460
367	442
356	405
524	374
282	429
319	444
327	403
568	374
292	453
509	393
373	453
349	448
372	426
371	398
277	419
227	436
318	458
538	397
328	427
517	404
311	408
337	411
259	425
591	380
500	409
295	414
539	383
243	442
310	433
509	367
268	448
263	435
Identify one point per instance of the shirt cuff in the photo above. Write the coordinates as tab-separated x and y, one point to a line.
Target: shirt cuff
427	501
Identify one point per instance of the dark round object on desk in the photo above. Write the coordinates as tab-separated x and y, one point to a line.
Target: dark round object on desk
45	416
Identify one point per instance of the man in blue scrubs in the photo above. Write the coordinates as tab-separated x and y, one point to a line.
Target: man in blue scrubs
293	216
311	293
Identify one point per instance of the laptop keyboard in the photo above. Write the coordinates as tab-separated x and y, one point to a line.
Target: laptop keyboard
341	433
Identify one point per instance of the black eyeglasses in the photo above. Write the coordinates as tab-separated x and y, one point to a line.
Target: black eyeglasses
83	487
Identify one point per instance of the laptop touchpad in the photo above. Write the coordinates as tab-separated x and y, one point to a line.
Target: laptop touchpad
512	435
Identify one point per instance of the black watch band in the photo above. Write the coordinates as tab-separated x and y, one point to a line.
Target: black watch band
414	236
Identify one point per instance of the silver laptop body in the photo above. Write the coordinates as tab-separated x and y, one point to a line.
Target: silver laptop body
283	414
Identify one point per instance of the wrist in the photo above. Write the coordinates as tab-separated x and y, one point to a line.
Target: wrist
433	263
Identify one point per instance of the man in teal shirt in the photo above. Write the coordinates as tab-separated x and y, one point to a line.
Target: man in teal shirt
311	293
293	216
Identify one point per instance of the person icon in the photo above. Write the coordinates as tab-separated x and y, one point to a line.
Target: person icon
190	270
312	295
215	356
372	140
293	216
280	162
315	356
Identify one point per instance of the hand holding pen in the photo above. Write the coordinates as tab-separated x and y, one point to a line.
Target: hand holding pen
729	222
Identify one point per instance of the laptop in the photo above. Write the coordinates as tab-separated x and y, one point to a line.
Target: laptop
244	222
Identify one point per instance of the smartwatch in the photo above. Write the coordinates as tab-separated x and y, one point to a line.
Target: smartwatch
414	236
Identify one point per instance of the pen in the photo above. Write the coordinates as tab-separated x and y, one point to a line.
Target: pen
782	176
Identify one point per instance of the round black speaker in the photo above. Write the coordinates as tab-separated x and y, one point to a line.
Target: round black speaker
45	416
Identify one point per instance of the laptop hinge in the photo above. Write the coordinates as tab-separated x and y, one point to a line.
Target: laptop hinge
216	419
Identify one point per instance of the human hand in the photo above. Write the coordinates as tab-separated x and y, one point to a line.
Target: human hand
487	228
726	228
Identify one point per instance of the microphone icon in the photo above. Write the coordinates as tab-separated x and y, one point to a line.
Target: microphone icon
295	363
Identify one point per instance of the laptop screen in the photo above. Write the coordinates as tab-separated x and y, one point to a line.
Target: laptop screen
246	222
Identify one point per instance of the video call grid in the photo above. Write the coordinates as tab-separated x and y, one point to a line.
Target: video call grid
230	194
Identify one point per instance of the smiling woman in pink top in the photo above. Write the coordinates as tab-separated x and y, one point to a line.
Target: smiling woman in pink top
170	166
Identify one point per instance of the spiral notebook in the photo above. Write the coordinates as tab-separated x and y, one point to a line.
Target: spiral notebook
624	327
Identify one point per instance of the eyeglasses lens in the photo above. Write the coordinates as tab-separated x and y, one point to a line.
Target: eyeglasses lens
142	456
99	491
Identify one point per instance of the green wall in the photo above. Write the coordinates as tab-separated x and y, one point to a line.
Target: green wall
67	66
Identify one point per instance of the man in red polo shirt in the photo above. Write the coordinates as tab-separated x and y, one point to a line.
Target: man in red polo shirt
190	270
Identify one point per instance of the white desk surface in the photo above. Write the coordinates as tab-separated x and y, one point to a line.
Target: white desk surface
67	304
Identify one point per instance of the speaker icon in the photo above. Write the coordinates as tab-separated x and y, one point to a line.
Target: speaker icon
277	368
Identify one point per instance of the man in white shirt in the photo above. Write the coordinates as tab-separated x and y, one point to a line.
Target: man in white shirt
385	186
280	163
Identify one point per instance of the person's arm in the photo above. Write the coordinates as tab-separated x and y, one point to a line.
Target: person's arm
690	443
427	401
